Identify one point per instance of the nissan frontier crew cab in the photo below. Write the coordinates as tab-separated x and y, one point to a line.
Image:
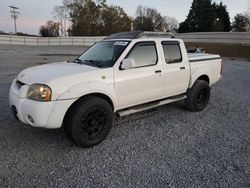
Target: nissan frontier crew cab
123	74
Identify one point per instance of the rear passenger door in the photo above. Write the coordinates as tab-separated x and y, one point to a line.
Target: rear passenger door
176	69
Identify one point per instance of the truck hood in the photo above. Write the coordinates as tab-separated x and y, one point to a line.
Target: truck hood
49	72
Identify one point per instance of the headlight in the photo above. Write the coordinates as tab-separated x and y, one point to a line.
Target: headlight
39	92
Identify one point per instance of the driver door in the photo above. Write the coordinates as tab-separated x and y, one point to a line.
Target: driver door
142	83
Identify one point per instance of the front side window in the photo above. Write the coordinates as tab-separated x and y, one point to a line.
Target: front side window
172	52
144	54
103	54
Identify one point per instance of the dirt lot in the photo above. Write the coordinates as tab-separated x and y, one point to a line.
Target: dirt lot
226	50
165	147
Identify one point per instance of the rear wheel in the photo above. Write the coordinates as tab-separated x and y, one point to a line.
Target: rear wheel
89	121
198	96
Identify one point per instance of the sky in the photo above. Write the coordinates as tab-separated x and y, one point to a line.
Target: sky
35	13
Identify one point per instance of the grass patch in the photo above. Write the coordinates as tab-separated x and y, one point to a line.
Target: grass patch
225	50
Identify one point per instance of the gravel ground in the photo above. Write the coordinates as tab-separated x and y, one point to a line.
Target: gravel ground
165	147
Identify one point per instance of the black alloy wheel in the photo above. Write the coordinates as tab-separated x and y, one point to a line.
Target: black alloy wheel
202	97
198	96
89	121
93	123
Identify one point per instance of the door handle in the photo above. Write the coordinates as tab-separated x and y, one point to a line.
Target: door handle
182	68
157	71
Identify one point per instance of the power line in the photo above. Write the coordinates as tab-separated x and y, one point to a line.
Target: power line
14	15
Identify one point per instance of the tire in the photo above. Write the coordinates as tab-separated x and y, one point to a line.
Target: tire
89	121
198	96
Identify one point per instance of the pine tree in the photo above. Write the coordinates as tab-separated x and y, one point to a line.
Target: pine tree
200	17
205	16
223	20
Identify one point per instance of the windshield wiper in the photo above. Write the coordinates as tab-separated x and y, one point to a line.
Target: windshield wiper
96	63
88	62
77	60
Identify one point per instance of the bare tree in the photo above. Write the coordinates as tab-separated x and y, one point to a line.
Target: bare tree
240	23
247	15
61	13
170	23
148	19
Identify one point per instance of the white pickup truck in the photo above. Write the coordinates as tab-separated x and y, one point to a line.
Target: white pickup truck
123	74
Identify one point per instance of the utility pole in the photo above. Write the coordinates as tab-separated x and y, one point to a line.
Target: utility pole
14	16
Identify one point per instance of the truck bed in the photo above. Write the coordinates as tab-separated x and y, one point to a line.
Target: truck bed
195	57
207	64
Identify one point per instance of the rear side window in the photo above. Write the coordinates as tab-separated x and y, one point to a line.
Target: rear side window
172	52
144	54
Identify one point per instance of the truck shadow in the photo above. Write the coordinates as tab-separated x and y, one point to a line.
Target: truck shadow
27	136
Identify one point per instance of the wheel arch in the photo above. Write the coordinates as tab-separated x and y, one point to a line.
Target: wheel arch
204	78
100	95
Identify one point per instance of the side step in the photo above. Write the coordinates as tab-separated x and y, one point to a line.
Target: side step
150	105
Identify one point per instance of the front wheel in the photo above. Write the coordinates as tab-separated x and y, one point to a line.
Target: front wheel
89	121
198	96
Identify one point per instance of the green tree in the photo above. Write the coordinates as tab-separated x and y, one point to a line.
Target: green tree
240	23
93	18
114	20
51	29
84	16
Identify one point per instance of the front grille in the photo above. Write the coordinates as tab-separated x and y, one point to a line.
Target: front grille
19	84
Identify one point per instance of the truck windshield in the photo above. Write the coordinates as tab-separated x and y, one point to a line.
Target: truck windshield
103	54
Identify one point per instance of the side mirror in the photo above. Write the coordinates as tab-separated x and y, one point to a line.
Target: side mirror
127	64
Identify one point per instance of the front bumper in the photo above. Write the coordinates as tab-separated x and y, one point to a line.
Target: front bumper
37	114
